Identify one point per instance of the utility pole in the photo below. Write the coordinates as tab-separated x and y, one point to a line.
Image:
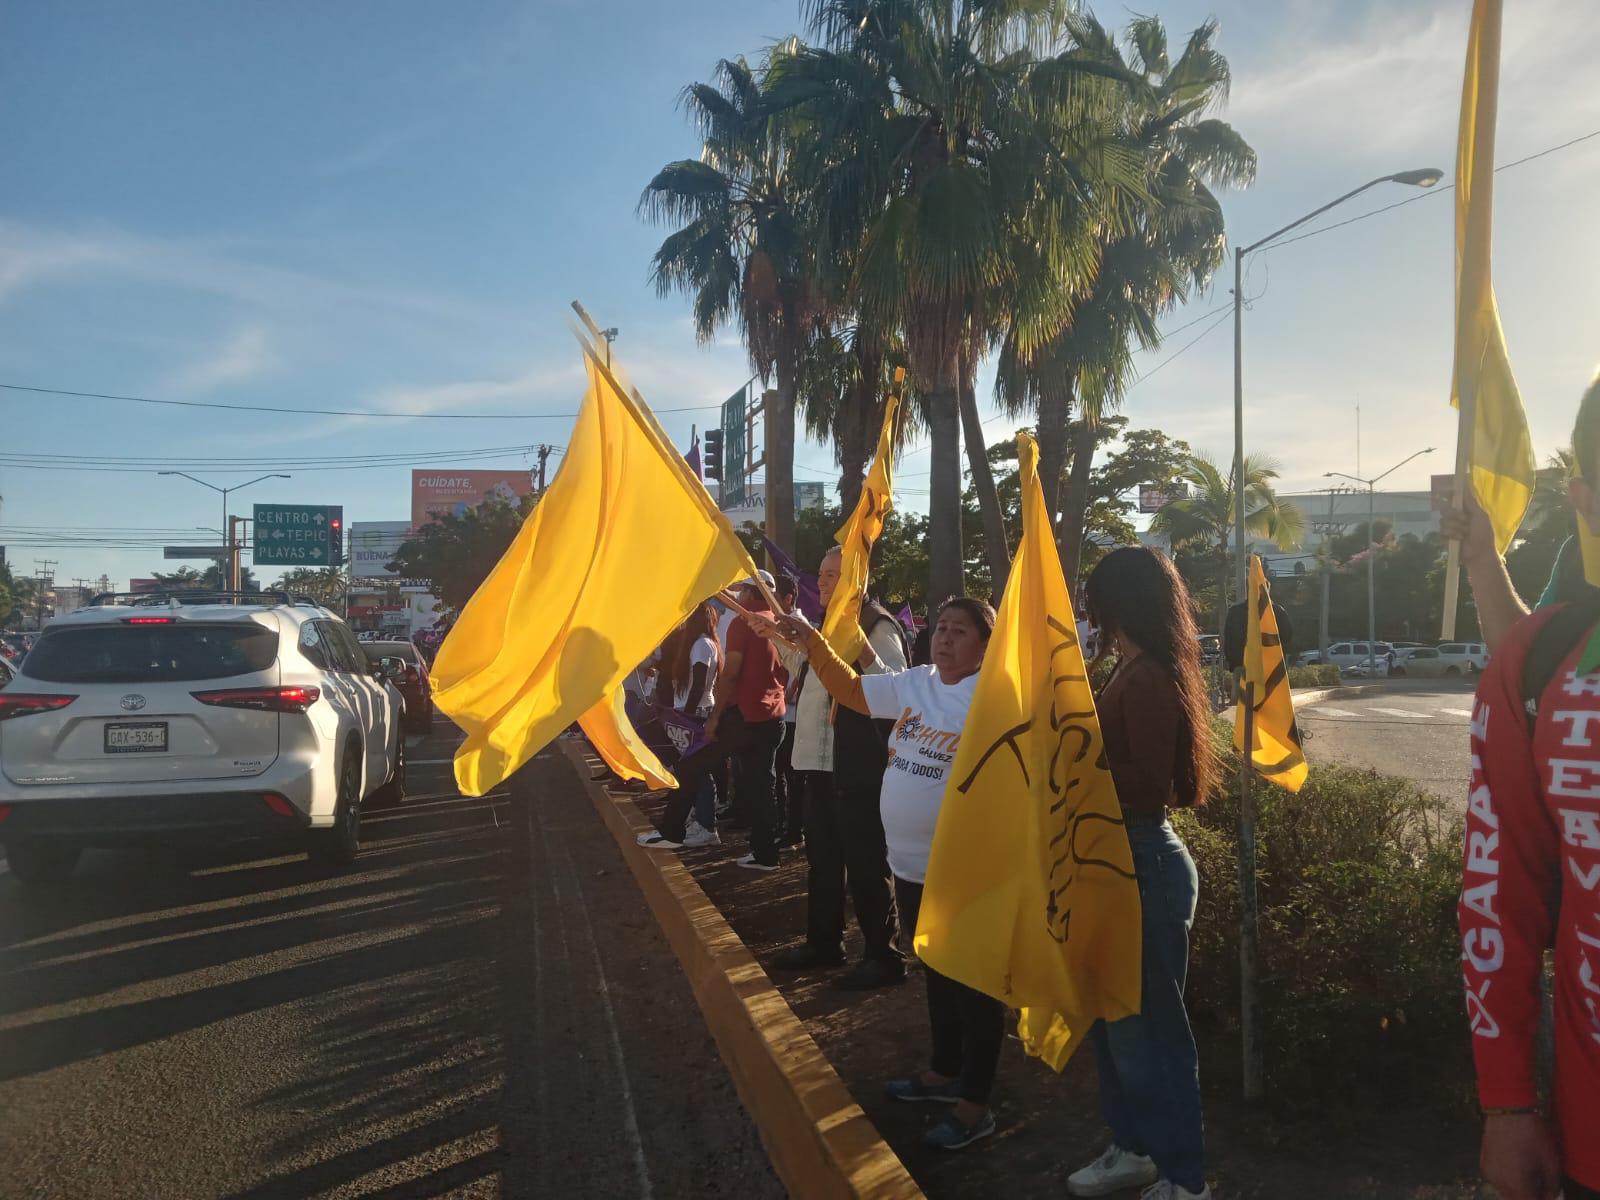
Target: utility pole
44	574
544	451
1327	576
233	552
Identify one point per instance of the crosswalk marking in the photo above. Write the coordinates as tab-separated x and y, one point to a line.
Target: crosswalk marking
1398	712
1457	712
1323	710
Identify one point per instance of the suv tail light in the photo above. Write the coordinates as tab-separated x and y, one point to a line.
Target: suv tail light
147	620
23	704
264	699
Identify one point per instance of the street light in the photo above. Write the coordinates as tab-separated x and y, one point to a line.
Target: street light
228	529
1250	1013
1372	557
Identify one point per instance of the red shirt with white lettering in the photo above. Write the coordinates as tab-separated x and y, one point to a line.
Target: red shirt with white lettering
1531	881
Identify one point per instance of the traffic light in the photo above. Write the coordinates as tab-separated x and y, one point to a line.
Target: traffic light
712	454
336	538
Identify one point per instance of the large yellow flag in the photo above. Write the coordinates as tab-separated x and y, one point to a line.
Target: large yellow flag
618	743
1275	747
1030	895
623	544
841	624
1501	457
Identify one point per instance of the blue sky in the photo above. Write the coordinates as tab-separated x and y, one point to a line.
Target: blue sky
389	206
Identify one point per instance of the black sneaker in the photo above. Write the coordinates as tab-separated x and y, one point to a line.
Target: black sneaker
872	973
805	957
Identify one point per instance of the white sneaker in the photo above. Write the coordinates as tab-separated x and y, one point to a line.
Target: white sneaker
749	863
656	840
1112	1171
699	836
1165	1189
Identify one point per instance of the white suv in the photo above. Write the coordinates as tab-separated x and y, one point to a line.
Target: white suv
202	718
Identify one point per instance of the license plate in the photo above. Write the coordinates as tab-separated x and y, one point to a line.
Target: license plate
143	737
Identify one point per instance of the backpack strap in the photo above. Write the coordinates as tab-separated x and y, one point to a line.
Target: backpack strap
1550	647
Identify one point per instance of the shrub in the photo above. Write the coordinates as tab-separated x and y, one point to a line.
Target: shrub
1357	877
1316	675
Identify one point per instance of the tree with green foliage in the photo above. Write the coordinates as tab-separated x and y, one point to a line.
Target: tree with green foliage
456	553
1203	520
212	579
328	586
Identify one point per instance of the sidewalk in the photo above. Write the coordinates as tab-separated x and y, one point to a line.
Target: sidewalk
1050	1125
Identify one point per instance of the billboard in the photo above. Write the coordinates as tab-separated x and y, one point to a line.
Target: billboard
451	493
373	544
1153	497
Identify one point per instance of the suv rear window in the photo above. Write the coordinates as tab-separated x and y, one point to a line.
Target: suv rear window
151	653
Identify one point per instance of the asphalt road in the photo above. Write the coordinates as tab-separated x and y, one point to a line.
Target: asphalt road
1414	729
481	1006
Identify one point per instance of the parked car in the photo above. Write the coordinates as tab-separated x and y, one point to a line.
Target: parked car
205	719
413	683
1351	657
1422	662
1467	657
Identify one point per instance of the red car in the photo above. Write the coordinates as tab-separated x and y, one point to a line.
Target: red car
412	686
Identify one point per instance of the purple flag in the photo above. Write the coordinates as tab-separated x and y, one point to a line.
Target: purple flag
908	618
684	733
809	600
693	457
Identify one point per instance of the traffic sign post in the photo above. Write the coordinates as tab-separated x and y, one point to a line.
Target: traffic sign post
298	535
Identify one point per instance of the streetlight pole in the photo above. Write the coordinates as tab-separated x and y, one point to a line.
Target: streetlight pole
233	542
1250	1003
1372	551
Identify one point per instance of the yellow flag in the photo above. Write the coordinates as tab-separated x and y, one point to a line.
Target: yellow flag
614	738
623	544
841	624
1501	458
1275	749
1030	895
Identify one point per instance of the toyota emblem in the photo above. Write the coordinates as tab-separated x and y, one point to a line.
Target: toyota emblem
133	702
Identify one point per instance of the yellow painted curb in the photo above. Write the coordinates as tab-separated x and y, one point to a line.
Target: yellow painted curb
820	1142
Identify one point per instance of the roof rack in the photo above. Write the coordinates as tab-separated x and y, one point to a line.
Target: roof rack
178	597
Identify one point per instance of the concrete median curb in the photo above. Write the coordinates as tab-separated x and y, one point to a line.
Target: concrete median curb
1343	692
820	1141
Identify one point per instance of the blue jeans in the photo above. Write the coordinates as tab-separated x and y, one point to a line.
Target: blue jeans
1149	1070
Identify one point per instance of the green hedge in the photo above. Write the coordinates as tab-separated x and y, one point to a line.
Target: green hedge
1318	675
1358	875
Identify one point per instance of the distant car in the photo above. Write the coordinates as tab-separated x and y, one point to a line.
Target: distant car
7	672
1422	662
198	719
1351	658
1210	649
14	646
1464	658
413	684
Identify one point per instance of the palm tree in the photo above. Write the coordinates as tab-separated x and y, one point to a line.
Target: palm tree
1158	242
938	172
743	249
1203	520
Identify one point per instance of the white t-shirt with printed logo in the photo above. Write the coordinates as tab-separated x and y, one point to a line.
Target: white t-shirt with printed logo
928	716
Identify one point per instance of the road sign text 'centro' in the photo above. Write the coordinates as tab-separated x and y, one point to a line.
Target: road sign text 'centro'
298	535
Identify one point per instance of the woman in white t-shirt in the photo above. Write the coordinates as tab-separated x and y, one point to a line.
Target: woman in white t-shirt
929	708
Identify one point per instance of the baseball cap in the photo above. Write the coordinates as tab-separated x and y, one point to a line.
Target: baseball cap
766	578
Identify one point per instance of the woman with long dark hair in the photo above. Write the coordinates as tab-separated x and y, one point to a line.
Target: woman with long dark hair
1156	725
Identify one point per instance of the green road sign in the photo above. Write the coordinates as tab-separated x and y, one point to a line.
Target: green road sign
298	535
733	437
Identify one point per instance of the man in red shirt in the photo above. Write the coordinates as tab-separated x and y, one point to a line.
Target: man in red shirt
1531	882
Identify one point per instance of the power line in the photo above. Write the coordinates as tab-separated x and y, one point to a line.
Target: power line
1439	191
322	412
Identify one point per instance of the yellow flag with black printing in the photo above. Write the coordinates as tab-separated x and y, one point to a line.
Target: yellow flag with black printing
1275	749
1030	894
562	620
841	624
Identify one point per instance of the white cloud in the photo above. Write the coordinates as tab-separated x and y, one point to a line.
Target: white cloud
243	356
